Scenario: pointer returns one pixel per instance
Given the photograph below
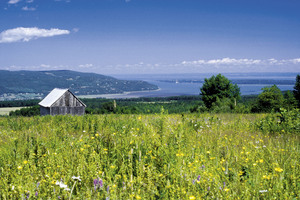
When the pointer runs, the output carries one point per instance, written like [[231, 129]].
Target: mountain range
[[42, 82]]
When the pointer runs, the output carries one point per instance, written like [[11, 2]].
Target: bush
[[284, 122]]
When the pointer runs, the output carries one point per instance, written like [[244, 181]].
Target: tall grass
[[146, 157]]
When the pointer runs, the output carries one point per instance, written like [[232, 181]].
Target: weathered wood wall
[[67, 100], [80, 110], [44, 111], [66, 104]]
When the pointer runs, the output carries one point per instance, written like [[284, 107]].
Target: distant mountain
[[42, 82]]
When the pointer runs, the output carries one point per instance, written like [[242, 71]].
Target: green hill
[[41, 83]]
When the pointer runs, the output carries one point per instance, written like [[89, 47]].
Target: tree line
[[217, 95]]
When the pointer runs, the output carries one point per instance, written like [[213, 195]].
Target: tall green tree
[[290, 101], [217, 89], [271, 99], [297, 89]]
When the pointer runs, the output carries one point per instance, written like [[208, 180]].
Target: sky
[[150, 36]]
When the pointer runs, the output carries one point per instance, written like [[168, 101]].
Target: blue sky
[[150, 36]]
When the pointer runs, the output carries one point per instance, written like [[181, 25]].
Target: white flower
[[76, 178], [13, 187], [263, 191], [62, 185]]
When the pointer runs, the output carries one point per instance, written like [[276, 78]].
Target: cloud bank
[[242, 62], [13, 1], [26, 34]]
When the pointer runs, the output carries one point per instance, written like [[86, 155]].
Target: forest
[[217, 95]]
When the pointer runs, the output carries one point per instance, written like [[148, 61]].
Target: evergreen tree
[[297, 89]]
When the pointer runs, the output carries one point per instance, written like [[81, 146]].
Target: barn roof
[[54, 95]]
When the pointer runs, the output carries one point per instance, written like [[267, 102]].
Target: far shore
[[124, 95]]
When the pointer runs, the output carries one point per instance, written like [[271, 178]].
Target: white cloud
[[75, 30], [224, 61], [27, 34], [242, 62], [26, 8], [13, 1], [86, 66]]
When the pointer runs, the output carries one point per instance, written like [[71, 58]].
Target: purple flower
[[27, 195], [98, 183], [208, 188], [36, 193], [38, 184], [107, 189], [101, 183], [193, 181], [224, 184], [203, 166], [198, 178]]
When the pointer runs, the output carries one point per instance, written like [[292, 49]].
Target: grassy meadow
[[161, 156], [5, 111]]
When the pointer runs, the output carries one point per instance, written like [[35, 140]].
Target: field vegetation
[[154, 156]]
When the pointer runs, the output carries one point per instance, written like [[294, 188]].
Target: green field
[[162, 156], [5, 111]]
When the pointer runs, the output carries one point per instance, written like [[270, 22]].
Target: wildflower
[[226, 189], [138, 197], [36, 194], [98, 183], [192, 198], [208, 188], [261, 160], [107, 189], [20, 167], [62, 185], [278, 169], [112, 166], [263, 191], [198, 178], [25, 162], [76, 178]]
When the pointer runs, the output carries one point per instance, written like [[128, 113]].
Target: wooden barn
[[61, 102]]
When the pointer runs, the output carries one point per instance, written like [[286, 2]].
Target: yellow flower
[[261, 160], [138, 197], [226, 189], [112, 166], [208, 153], [25, 162], [20, 167], [192, 198], [278, 169], [105, 149]]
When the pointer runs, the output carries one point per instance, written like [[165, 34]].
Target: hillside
[[28, 84]]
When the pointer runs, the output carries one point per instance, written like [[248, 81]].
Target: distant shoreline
[[124, 95]]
